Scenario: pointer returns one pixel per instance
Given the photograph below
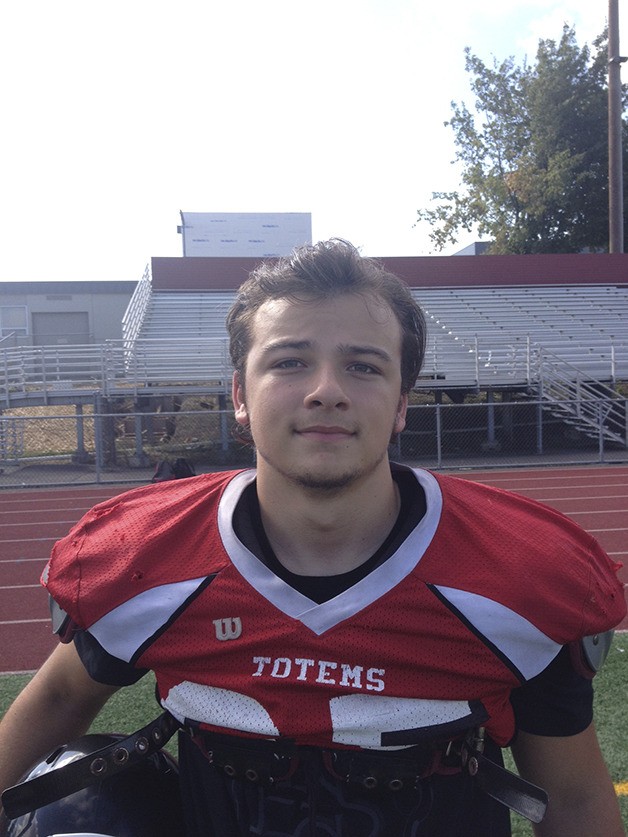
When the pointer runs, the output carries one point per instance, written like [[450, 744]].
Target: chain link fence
[[504, 434], [54, 446]]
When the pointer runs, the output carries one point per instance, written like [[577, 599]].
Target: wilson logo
[[229, 628]]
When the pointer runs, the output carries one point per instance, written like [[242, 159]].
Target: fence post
[[98, 440], [6, 375], [439, 437], [539, 414], [103, 368], [139, 446], [490, 418], [81, 453], [224, 427], [539, 426], [600, 430]]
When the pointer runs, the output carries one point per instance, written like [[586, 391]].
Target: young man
[[345, 641]]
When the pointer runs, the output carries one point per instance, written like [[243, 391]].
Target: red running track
[[32, 520]]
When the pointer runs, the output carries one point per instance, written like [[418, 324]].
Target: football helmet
[[141, 801]]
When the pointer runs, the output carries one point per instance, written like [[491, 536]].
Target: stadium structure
[[554, 327], [548, 328]]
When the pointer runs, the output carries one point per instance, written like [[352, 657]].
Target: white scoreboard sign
[[244, 233]]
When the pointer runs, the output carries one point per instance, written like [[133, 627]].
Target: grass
[[611, 688], [135, 706]]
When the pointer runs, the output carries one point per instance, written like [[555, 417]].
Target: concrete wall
[[103, 303]]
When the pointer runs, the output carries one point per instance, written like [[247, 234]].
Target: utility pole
[[615, 124]]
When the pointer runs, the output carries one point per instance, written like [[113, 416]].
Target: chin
[[324, 482], [330, 479]]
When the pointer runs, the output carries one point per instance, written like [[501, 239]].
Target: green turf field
[[133, 707]]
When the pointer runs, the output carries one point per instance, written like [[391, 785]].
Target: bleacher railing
[[38, 374], [41, 374], [137, 309]]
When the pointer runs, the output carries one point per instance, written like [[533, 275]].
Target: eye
[[289, 363], [363, 369]]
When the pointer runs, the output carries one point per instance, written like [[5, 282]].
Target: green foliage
[[534, 153]]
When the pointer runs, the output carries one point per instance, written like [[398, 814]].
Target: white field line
[[598, 511], [19, 586], [22, 621], [36, 523]]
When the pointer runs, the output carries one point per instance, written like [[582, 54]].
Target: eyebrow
[[365, 350], [345, 349], [281, 345]]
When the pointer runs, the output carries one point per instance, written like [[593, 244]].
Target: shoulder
[[512, 523], [525, 555], [163, 494], [506, 519], [151, 510], [150, 536]]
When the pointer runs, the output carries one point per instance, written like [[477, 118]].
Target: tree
[[534, 153]]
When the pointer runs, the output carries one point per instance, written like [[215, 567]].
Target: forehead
[[345, 316]]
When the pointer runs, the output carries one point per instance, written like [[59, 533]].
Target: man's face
[[322, 394]]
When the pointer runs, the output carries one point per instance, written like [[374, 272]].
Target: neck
[[316, 532]]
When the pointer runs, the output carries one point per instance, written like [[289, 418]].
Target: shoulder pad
[[589, 653], [62, 624]]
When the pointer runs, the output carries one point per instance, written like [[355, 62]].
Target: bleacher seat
[[476, 335]]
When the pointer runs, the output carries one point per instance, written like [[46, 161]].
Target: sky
[[116, 116]]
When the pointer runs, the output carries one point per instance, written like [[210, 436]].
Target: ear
[[237, 395], [400, 418]]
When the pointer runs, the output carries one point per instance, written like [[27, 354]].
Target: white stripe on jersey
[[322, 617], [124, 630], [518, 639]]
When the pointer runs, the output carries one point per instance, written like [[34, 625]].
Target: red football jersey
[[480, 597]]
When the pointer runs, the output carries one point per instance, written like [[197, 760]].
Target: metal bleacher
[[477, 337], [566, 345], [505, 331], [491, 337], [182, 342]]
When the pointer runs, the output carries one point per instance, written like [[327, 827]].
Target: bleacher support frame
[[562, 345]]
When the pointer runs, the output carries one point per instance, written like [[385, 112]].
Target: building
[[62, 313]]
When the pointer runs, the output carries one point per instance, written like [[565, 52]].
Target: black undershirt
[[247, 523], [556, 702]]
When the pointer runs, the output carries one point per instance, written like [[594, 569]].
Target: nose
[[326, 389]]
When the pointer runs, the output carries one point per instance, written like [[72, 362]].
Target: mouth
[[325, 433]]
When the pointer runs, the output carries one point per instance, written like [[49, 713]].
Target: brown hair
[[327, 269]]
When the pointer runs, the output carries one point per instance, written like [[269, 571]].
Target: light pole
[[615, 165]]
